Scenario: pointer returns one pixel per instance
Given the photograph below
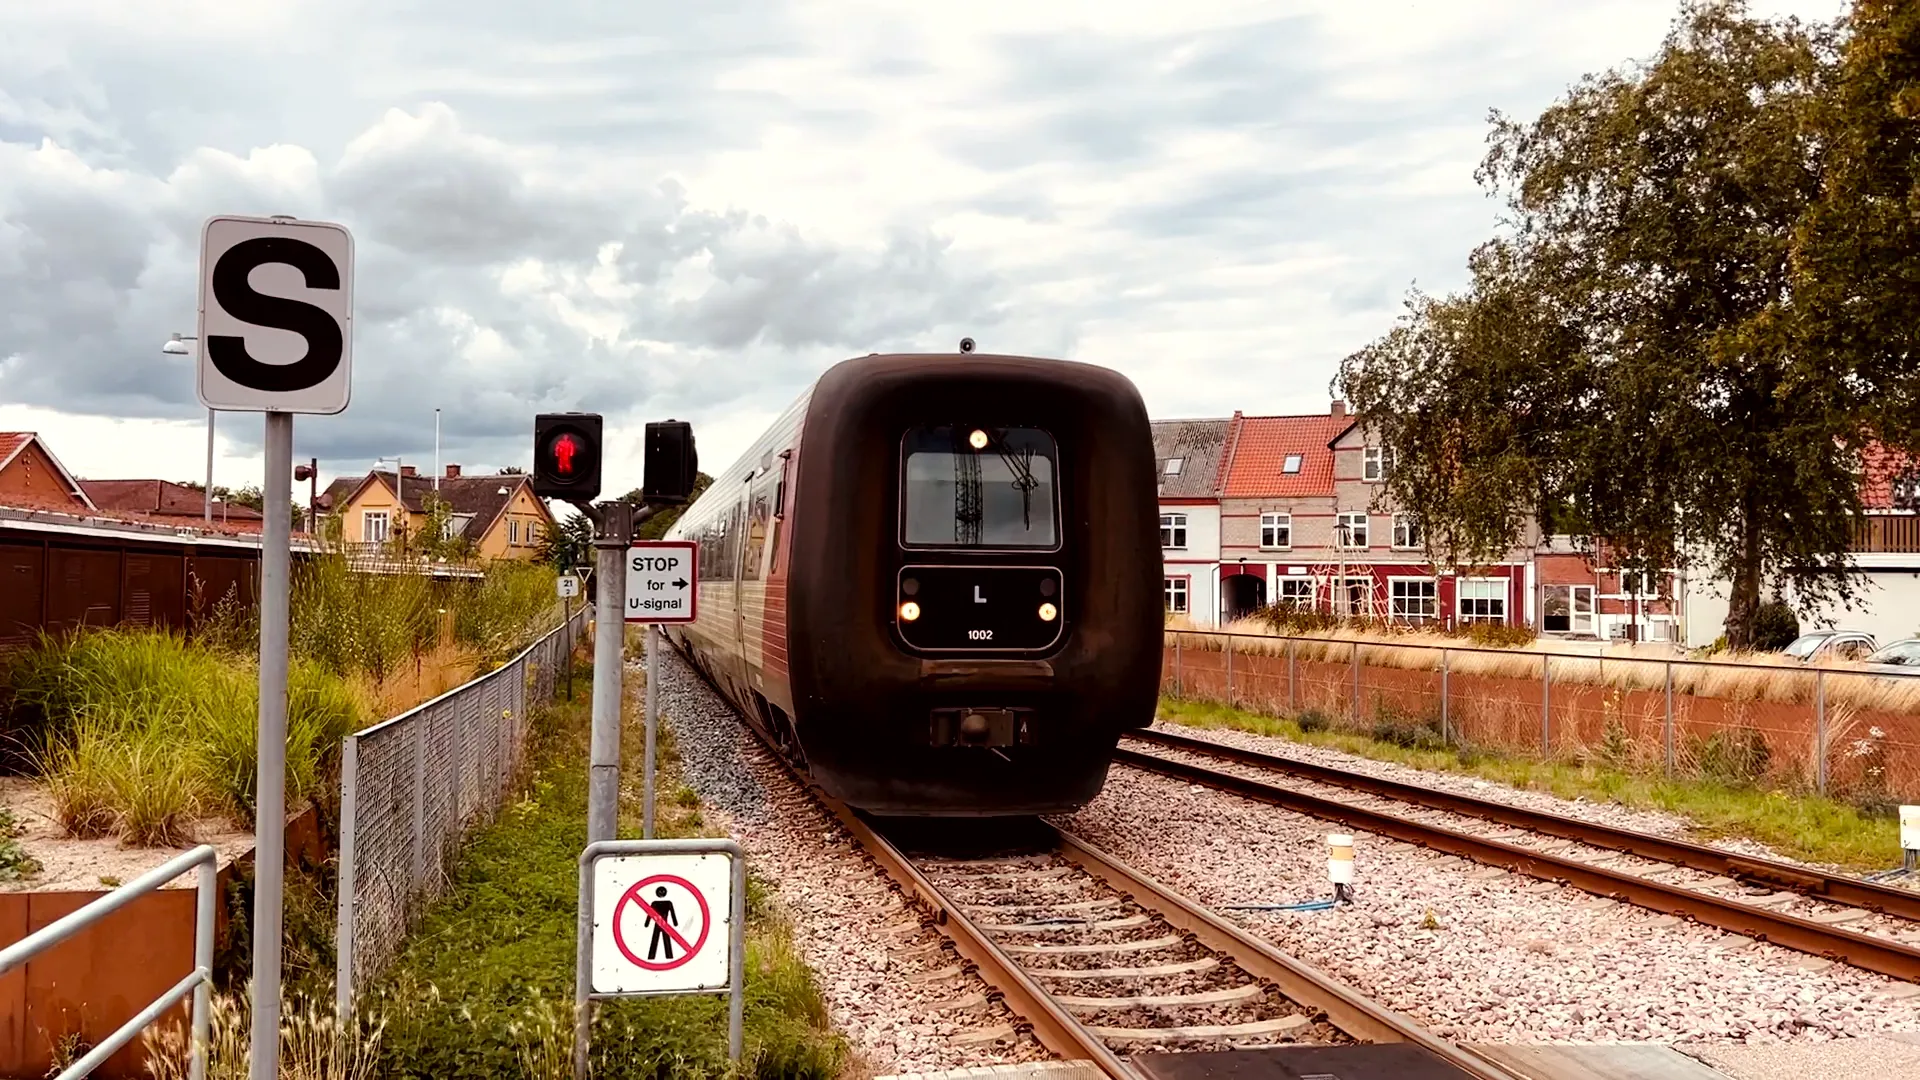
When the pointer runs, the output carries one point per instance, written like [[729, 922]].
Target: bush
[[1774, 627], [1314, 720], [1498, 635], [1738, 756], [1395, 725], [509, 606]]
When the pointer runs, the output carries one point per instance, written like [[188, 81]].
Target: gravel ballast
[[1482, 956], [890, 988]]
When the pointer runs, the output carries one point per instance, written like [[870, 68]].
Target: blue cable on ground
[[1305, 905]]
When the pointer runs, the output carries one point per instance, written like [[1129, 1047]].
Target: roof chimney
[[407, 470], [1339, 408], [453, 471]]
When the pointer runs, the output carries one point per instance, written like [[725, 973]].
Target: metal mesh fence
[[1850, 733], [412, 787]]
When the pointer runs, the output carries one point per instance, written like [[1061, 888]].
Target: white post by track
[[307, 266], [660, 889], [661, 587]]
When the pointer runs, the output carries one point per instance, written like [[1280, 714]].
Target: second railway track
[[1841, 918]]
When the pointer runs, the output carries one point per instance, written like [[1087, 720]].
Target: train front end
[[975, 582]]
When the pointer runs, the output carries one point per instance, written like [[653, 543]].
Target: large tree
[[1859, 264], [1629, 361]]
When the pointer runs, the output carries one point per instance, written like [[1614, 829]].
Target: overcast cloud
[[654, 209]]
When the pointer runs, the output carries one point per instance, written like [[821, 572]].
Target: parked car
[[1831, 645], [1902, 655]]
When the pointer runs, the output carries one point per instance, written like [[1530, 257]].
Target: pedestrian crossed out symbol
[[666, 910]]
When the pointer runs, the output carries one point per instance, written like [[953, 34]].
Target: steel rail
[[1345, 1007], [1860, 950], [1052, 1025], [1904, 903]]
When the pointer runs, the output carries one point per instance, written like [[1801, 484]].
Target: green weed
[[484, 988], [1799, 825]]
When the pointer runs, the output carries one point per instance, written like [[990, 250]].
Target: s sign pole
[[307, 266]]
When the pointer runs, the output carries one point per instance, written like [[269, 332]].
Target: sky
[[661, 210]]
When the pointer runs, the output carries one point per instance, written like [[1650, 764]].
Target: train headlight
[[977, 440], [909, 611], [1047, 612]]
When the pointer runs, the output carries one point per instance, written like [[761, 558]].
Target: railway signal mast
[[567, 457]]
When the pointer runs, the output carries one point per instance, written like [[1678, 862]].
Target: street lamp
[[177, 346]]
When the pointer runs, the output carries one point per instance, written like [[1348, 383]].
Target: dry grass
[[1625, 666], [312, 1044]]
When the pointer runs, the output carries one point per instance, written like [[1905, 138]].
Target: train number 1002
[[979, 635]]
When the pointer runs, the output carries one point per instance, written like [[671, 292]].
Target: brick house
[[32, 478], [1276, 511], [170, 503], [1187, 457]]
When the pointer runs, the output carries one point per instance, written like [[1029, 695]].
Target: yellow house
[[498, 516]]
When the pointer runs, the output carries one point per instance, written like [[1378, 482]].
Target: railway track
[[1834, 917], [1102, 962]]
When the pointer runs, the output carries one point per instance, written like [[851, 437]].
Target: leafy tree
[[512, 470], [1859, 261], [1628, 361], [655, 527], [570, 545]]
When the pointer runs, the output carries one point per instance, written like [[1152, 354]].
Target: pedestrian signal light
[[566, 456], [672, 463]]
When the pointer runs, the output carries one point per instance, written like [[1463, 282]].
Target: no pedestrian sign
[[660, 581], [661, 924]]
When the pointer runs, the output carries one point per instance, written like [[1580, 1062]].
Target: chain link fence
[[412, 787]]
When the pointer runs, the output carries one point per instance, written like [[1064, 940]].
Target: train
[[934, 583]]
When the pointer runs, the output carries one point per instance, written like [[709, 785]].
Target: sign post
[[661, 577], [569, 587], [302, 364], [660, 917]]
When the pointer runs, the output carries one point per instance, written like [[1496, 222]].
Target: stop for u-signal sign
[[661, 577]]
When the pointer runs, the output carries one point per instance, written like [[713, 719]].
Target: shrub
[[1314, 720], [143, 731], [1393, 724], [15, 863], [513, 603], [1738, 756], [1497, 635], [1774, 626]]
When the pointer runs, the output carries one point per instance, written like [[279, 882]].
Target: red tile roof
[[11, 442], [1260, 446], [161, 497], [1880, 467]]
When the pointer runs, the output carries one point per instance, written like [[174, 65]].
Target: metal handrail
[[1497, 651], [199, 982]]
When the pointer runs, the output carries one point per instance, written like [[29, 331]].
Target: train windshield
[[979, 487]]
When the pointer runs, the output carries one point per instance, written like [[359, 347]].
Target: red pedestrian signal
[[566, 456]]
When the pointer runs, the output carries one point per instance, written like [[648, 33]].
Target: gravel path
[[891, 988], [1479, 954], [1657, 822]]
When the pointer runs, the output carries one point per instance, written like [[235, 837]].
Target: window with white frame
[[1567, 609], [1483, 600], [374, 525], [1297, 591], [1407, 534], [1173, 530], [1176, 589], [1373, 467], [1291, 464], [1276, 531], [1638, 583], [1173, 466], [1352, 531], [1413, 600]]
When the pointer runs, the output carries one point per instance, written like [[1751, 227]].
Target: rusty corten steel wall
[[62, 582]]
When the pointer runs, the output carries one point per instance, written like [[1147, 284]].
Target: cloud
[[655, 208]]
